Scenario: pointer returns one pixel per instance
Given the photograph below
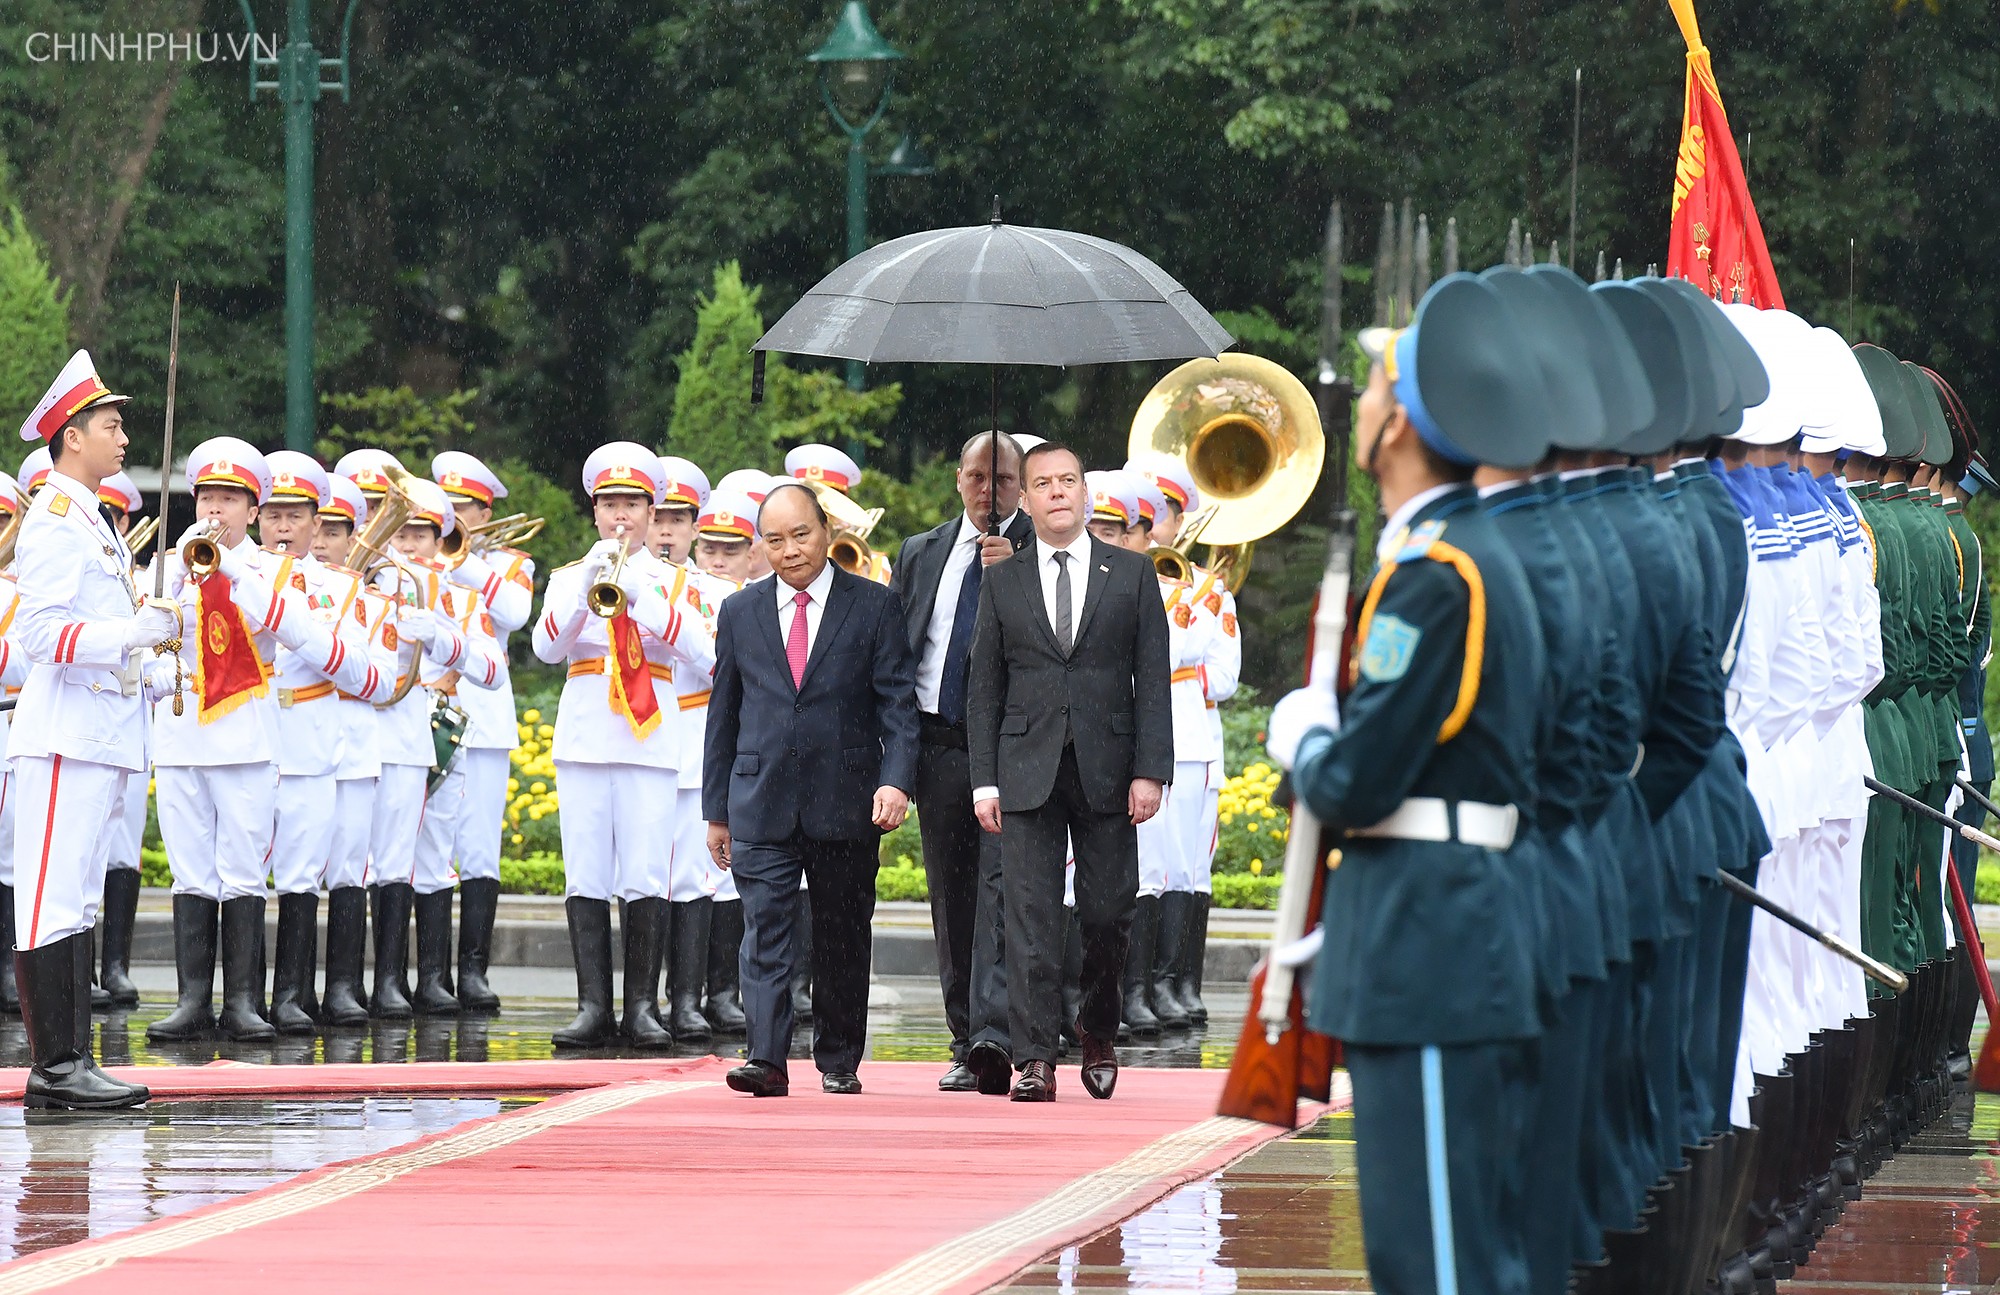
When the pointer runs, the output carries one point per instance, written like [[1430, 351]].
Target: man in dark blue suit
[[812, 754]]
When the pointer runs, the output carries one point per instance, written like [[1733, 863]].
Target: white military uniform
[[79, 730], [13, 673], [495, 596], [1221, 669], [1197, 744], [694, 873]]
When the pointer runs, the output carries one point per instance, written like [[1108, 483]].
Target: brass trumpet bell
[[200, 555], [1249, 434], [606, 598], [850, 553]]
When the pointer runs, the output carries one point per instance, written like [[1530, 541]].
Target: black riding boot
[[346, 947], [687, 965], [802, 958], [1176, 910], [242, 970], [478, 904], [53, 1003], [194, 966], [434, 993], [114, 931], [645, 923], [1193, 951], [725, 946], [393, 902], [590, 943], [1138, 1016], [293, 966]]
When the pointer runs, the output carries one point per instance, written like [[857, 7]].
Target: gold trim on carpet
[[951, 1262], [39, 1273]]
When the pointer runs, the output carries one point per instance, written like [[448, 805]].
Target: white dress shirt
[[788, 606], [1079, 578], [944, 610]]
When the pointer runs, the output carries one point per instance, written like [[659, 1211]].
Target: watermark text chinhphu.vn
[[148, 46]]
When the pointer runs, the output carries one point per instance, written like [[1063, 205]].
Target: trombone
[[606, 598], [499, 533]]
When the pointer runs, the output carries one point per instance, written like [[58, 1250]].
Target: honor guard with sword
[[218, 760], [79, 730], [495, 589], [615, 618], [311, 730]]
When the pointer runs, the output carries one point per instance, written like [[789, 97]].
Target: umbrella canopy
[[998, 294]]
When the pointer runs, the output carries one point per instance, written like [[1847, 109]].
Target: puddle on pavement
[[68, 1177]]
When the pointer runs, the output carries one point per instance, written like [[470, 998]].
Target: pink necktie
[[795, 642]]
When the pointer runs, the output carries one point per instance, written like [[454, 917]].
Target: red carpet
[[672, 1182]]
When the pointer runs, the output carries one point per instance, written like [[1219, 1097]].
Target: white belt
[[1426, 818]]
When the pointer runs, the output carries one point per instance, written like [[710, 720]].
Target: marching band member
[[616, 749], [311, 728], [13, 673], [34, 471], [498, 590], [826, 466], [118, 498], [218, 761], [725, 533], [345, 866], [756, 484], [671, 537], [79, 730], [462, 655]]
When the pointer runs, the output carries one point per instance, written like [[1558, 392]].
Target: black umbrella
[[996, 294]]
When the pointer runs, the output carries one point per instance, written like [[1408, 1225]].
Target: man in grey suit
[[938, 576], [1070, 729]]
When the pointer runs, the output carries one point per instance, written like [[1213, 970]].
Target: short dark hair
[[819, 509], [1049, 447]]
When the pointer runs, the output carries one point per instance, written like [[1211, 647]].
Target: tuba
[[852, 525], [1250, 436], [10, 534], [370, 552]]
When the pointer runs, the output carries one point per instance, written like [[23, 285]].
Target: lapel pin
[[1102, 567]]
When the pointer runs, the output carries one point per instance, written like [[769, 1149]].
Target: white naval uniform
[[506, 597], [13, 673], [1221, 669], [694, 874], [218, 781], [360, 768], [403, 811], [619, 792], [79, 730], [1161, 853], [311, 727], [481, 670]]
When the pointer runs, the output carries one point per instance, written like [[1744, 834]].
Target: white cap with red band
[[728, 515], [229, 461], [624, 468], [296, 476], [823, 463], [686, 484], [464, 477], [75, 389], [343, 500]]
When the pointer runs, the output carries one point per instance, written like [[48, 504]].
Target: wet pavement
[[68, 1177], [1286, 1218]]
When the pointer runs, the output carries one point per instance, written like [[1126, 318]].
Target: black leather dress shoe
[[994, 1068], [759, 1079], [1100, 1067], [1037, 1083], [958, 1080], [843, 1083]]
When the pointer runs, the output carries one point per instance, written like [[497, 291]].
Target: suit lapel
[[1100, 575], [839, 601], [1028, 572], [930, 572], [765, 591]]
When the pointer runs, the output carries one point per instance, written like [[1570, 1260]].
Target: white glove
[[1298, 713], [472, 573], [160, 678], [607, 550], [421, 625], [155, 623], [634, 580]]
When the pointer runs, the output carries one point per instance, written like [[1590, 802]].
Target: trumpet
[[1172, 560], [141, 536], [605, 598], [200, 555], [499, 533]]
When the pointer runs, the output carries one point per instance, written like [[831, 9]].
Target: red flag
[[631, 678], [228, 670], [1716, 241]]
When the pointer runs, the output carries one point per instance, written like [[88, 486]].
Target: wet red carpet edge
[[658, 1177]]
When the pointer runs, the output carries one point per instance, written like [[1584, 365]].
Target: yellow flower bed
[[532, 806], [1251, 830]]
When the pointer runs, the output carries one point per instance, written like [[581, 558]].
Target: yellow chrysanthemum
[[531, 716], [1256, 865]]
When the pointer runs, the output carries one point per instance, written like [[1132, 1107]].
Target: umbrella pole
[[993, 448]]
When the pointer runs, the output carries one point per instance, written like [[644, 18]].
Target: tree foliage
[[34, 320]]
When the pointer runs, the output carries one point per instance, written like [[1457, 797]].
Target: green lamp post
[[301, 74], [857, 70]]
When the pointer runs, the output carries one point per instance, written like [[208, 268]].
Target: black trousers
[[842, 877], [962, 866], [1032, 849]]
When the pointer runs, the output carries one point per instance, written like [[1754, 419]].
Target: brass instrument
[[138, 539], [1251, 438], [200, 555], [370, 552], [1171, 560], [852, 524], [850, 553], [10, 534], [605, 598], [499, 533]]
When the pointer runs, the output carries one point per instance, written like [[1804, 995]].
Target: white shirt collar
[[1392, 530], [971, 530], [821, 583], [1078, 550]]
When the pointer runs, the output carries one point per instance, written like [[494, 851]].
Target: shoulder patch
[[59, 503], [1229, 624], [1183, 615], [1391, 646], [1418, 543]]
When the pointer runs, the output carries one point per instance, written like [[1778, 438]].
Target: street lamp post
[[301, 74], [857, 70]]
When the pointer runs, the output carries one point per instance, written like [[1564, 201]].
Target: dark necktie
[[1063, 630], [951, 689]]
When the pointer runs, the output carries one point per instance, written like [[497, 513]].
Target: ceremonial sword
[[172, 645]]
